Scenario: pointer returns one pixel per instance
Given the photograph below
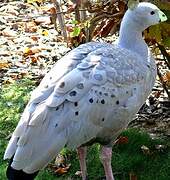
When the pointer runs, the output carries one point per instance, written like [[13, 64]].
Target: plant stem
[[165, 54], [163, 83], [60, 18]]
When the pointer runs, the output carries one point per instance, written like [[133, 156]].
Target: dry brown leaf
[[121, 6], [157, 94], [8, 33], [61, 171], [8, 81], [14, 76], [168, 75], [71, 8], [42, 20], [166, 78], [52, 10], [15, 26], [34, 1], [132, 176], [35, 38], [4, 64], [69, 28], [34, 59], [122, 140], [31, 51], [13, 12], [4, 53], [30, 27]]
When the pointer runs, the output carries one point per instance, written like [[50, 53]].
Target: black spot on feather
[[76, 104], [80, 86], [73, 93], [112, 95], [103, 101], [62, 84], [91, 100]]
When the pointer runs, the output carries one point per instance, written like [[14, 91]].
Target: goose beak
[[162, 16]]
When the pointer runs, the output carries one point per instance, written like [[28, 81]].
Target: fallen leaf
[[122, 6], [69, 28], [14, 76], [34, 38], [60, 167], [13, 12], [166, 78], [31, 51], [45, 32], [34, 59], [42, 20], [8, 81], [8, 33], [62, 170], [78, 173], [132, 176], [52, 10], [160, 147], [4, 64], [157, 94], [4, 53], [122, 140], [15, 26], [145, 150], [34, 1], [30, 27], [71, 8]]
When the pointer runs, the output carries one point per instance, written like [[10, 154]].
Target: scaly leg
[[82, 151], [105, 157]]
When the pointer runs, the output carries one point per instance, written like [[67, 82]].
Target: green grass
[[127, 158]]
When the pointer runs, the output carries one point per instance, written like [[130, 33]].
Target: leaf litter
[[29, 44]]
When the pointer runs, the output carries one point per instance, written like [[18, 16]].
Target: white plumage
[[91, 93]]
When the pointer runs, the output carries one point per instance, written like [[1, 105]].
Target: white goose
[[90, 95]]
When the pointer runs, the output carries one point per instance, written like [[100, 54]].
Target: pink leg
[[82, 151], [106, 156]]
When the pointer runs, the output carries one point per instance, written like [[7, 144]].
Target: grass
[[127, 158]]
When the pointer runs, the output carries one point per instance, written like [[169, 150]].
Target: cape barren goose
[[90, 95]]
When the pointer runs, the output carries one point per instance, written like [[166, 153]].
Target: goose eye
[[152, 12]]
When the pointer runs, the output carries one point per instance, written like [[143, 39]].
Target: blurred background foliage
[[83, 20]]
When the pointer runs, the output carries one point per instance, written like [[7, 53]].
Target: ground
[[29, 48], [134, 153]]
